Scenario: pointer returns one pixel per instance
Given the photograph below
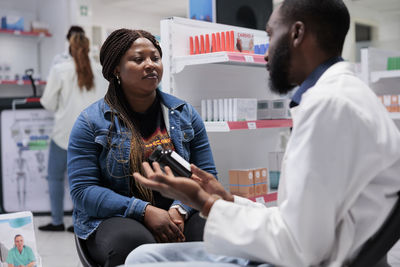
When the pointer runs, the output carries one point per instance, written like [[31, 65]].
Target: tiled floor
[[56, 249]]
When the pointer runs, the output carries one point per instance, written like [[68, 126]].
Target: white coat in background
[[63, 96]]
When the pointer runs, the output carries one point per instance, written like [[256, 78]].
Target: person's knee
[[141, 254]]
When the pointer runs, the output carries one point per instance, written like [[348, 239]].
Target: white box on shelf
[[244, 109], [215, 110], [209, 110], [279, 108], [203, 110], [386, 100], [230, 109], [263, 109], [226, 109], [220, 109]]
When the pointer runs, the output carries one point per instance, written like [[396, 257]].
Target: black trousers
[[116, 237]]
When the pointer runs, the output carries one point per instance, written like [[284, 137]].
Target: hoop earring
[[118, 80]]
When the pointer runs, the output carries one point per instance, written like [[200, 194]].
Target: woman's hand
[[177, 218], [208, 182], [164, 229], [183, 189]]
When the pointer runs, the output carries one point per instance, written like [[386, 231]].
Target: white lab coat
[[339, 179], [63, 96]]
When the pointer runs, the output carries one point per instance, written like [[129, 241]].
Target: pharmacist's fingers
[[199, 174], [147, 169]]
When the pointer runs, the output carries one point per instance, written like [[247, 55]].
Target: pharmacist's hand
[[183, 189], [177, 218], [163, 228], [208, 182]]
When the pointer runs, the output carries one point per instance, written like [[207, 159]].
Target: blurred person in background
[[66, 55], [71, 86]]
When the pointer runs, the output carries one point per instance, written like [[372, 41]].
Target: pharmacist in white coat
[[340, 172]]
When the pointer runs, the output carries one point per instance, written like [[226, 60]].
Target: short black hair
[[74, 29], [329, 20]]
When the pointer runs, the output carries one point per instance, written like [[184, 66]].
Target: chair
[[373, 253], [83, 253]]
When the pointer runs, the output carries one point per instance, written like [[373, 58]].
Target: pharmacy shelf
[[227, 126], [233, 58], [395, 115], [378, 75], [268, 198], [24, 33], [21, 82]]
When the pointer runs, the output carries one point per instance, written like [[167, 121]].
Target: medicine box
[[260, 181], [279, 108], [245, 182], [244, 109], [263, 110], [233, 182], [12, 23], [244, 42]]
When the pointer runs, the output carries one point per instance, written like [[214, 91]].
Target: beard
[[279, 67]]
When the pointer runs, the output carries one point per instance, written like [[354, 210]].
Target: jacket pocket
[[187, 134], [116, 149]]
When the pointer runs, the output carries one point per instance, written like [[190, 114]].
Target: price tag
[[252, 125], [260, 200], [248, 58]]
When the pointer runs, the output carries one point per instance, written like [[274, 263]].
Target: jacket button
[[172, 112], [172, 127], [185, 135]]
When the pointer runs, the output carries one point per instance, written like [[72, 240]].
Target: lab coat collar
[[311, 80]]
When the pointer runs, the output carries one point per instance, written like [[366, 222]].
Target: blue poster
[[201, 10]]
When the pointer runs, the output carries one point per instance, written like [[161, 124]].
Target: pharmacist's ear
[[297, 33]]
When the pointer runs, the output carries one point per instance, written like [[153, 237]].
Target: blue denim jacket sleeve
[[88, 193], [198, 147]]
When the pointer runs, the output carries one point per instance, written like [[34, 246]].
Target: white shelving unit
[[235, 145], [374, 73], [22, 50]]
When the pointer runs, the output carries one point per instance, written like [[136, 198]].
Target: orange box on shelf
[[246, 183], [394, 102], [233, 182], [260, 181]]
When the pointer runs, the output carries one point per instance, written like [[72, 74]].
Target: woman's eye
[[155, 59], [138, 59]]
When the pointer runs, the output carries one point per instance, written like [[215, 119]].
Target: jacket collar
[[170, 101], [167, 100]]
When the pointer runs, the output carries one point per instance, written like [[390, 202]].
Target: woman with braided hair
[[71, 86], [110, 140]]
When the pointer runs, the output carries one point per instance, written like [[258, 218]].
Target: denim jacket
[[98, 169]]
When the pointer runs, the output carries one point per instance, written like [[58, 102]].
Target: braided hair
[[111, 53], [79, 48]]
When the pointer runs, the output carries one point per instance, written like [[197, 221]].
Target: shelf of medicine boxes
[[21, 82], [227, 126], [218, 57], [24, 33], [377, 75]]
